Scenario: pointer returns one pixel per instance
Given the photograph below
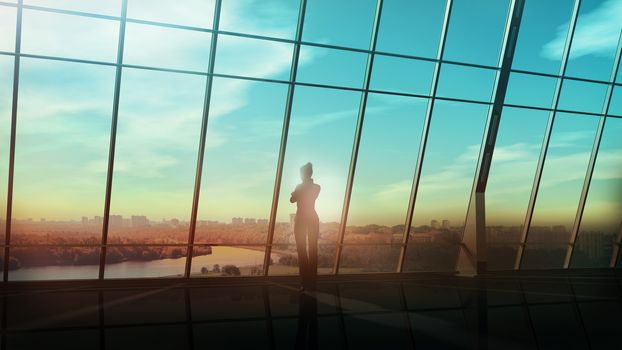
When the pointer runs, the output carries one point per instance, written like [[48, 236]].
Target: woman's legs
[[313, 233], [300, 233]]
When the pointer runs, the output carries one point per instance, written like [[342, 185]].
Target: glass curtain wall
[[139, 78]]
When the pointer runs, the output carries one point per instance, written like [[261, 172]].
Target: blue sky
[[65, 108]]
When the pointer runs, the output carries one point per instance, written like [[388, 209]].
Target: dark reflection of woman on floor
[[306, 227], [306, 335]]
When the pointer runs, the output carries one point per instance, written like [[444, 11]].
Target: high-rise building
[[250, 221], [139, 221], [237, 221], [434, 224], [115, 221], [85, 220], [446, 225]]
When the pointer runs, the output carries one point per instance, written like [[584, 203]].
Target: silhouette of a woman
[[306, 226]]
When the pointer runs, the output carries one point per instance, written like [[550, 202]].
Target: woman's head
[[306, 171]]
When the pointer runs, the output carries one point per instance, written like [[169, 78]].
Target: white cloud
[[597, 33]]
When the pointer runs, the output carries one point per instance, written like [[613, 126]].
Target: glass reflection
[[476, 31], [275, 18], [512, 171], [8, 17], [542, 35], [601, 219], [331, 67], [253, 58], [155, 161], [53, 263], [560, 188], [54, 34], [146, 261], [454, 140], [6, 92], [595, 39], [342, 23], [330, 115], [164, 47], [195, 13], [61, 152], [419, 20], [384, 170], [242, 146]]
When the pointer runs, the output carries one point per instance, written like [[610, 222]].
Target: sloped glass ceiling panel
[[108, 7], [8, 18], [193, 13]]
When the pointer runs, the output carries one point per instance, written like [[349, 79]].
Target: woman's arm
[[294, 196]]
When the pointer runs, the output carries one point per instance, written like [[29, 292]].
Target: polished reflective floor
[[497, 312]]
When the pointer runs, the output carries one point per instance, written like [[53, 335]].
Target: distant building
[[97, 220], [115, 221], [174, 222], [237, 221], [250, 221], [446, 225], [85, 220], [139, 221], [42, 220], [434, 224], [262, 221], [212, 222]]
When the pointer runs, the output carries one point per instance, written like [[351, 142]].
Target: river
[[221, 255]]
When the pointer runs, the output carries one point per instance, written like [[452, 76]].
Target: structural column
[[472, 257]]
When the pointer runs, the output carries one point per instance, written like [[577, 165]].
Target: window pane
[[61, 151], [513, 168], [244, 133], [411, 27], [8, 16], [466, 83], [331, 67], [155, 170], [53, 34], [343, 23], [54, 263], [595, 39], [149, 261], [218, 261], [385, 168], [108, 7], [369, 258], [253, 58], [276, 18], [601, 218], [615, 107], [285, 259], [446, 180], [582, 97], [163, 47], [560, 188], [401, 75], [196, 13], [476, 31], [530, 90], [542, 35], [330, 115], [6, 93]]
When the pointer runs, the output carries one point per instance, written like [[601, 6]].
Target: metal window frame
[[547, 136], [10, 180], [202, 139], [284, 136], [357, 136], [495, 112], [424, 135], [113, 138], [365, 90], [593, 156]]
